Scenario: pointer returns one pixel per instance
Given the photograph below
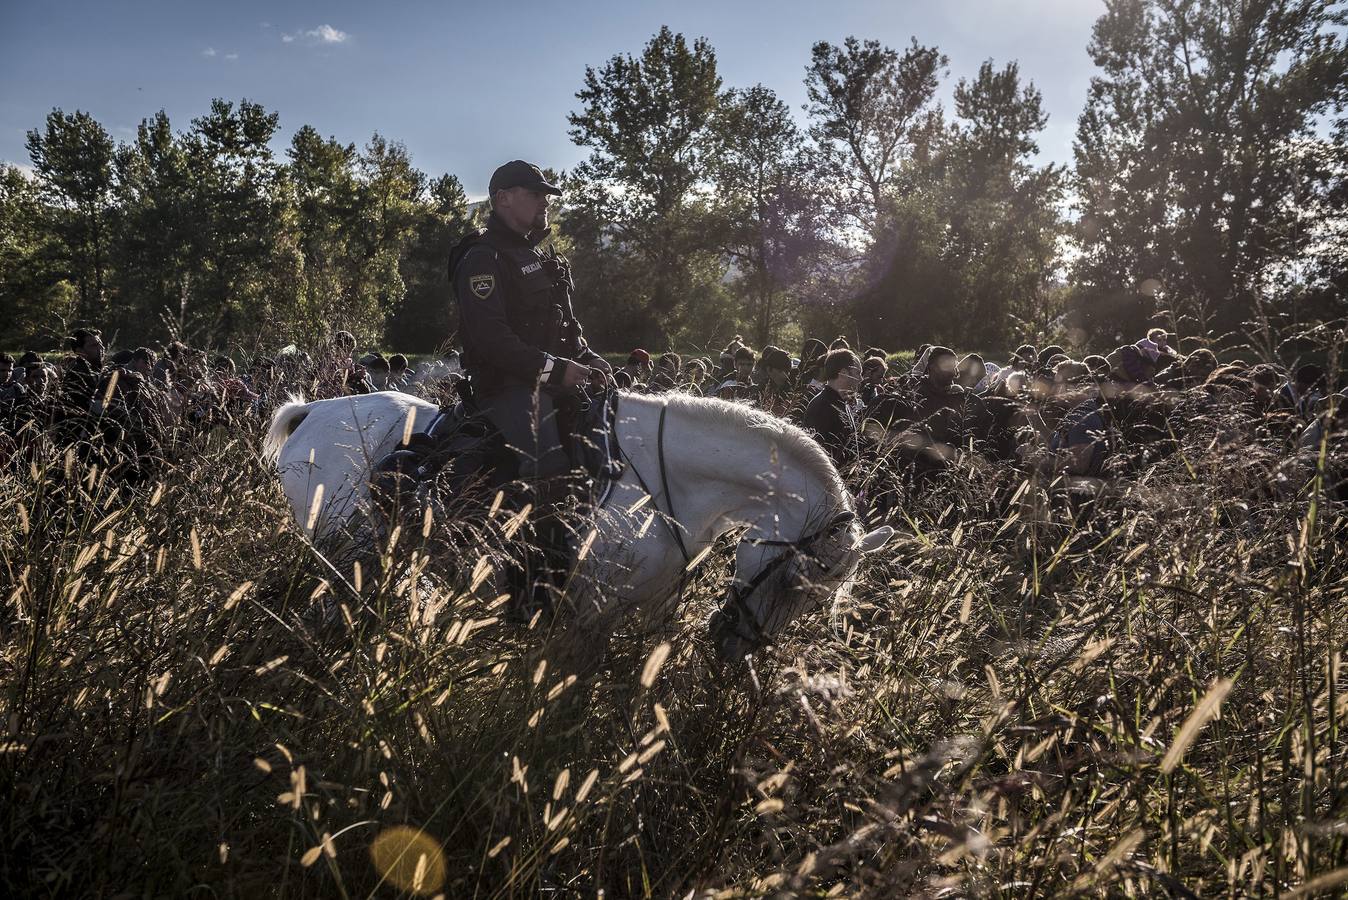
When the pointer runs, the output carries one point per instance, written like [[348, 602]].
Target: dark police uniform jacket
[[515, 313], [831, 420]]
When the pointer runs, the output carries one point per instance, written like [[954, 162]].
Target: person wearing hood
[[808, 375], [940, 404], [775, 394]]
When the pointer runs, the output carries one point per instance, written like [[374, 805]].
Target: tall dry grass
[[1017, 700]]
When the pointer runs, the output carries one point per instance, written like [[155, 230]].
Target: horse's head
[[776, 581]]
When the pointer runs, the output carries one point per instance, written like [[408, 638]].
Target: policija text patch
[[482, 285]]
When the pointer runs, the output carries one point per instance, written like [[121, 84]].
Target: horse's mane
[[791, 440]]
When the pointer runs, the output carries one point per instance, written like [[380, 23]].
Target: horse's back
[[324, 451]]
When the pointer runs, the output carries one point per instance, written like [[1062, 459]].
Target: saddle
[[460, 444]]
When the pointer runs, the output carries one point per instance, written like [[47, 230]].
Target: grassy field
[[1013, 702]]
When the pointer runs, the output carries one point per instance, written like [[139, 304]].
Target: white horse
[[701, 467]]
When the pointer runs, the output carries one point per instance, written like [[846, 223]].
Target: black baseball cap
[[518, 173]]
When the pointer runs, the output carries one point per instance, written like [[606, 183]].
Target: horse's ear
[[875, 539]]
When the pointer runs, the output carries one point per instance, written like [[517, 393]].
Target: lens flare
[[410, 859]]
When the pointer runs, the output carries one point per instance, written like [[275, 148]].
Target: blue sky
[[468, 85]]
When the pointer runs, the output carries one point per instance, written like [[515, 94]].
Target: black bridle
[[801, 546]]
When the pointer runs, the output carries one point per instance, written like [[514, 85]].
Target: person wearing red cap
[[523, 349], [638, 366]]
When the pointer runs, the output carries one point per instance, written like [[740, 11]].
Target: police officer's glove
[[575, 374]]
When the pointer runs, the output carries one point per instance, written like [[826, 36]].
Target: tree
[[72, 157], [972, 247], [157, 248], [242, 213], [323, 175], [766, 214], [1201, 175], [646, 120], [425, 319], [33, 293], [871, 111]]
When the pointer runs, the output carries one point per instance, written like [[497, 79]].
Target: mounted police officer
[[523, 349]]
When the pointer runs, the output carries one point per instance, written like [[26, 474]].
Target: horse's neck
[[722, 474]]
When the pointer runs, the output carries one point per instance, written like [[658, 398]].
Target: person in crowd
[[740, 385], [1047, 358], [377, 370], [1302, 391], [234, 392], [1017, 375], [10, 386], [1331, 418], [874, 371], [623, 379], [941, 407], [1089, 433], [973, 373], [694, 374], [1156, 345], [398, 374], [638, 367], [667, 369], [1070, 374], [13, 392], [829, 414], [1097, 364], [80, 371], [839, 343], [263, 381], [809, 373], [775, 393]]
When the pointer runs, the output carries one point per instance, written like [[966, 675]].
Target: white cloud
[[231, 56], [328, 35], [25, 170], [209, 51], [323, 34]]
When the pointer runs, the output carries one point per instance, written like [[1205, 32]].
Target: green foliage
[[72, 157], [32, 285], [767, 214], [206, 235], [1203, 176], [969, 252], [872, 112], [647, 121], [1210, 163]]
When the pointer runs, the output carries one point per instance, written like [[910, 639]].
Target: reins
[[798, 547]]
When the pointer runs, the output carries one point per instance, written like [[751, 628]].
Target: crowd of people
[[135, 409], [1092, 418], [1041, 410]]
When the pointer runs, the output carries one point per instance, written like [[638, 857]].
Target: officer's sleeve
[[478, 285]]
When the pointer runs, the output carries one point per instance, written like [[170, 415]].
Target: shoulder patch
[[482, 285]]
